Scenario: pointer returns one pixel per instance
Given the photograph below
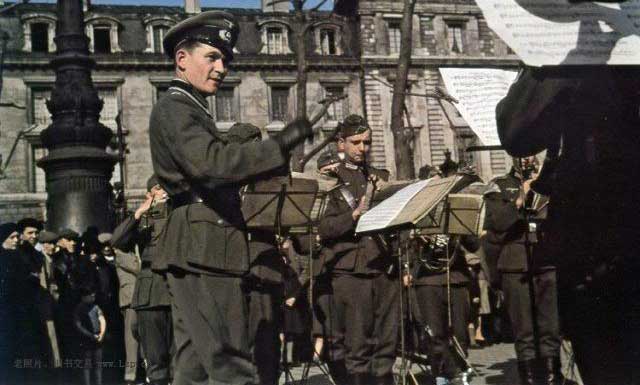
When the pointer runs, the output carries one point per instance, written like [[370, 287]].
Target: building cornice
[[438, 61]]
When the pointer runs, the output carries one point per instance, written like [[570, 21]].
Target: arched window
[[103, 34], [39, 31], [275, 37], [328, 38], [156, 28]]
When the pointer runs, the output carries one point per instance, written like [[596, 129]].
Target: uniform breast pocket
[[216, 243]]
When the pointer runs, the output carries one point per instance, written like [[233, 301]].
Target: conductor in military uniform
[[204, 248], [365, 297]]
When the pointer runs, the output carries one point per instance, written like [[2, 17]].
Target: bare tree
[[303, 22], [403, 136]]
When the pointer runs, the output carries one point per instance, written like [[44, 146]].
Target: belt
[[183, 199]]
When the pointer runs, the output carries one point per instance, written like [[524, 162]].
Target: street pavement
[[495, 365]]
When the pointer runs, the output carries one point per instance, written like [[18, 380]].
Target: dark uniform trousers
[[518, 302], [155, 334], [433, 304], [211, 331], [368, 312]]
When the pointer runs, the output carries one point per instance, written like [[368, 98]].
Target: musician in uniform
[[365, 297], [150, 297], [587, 120], [440, 275], [533, 311], [204, 248]]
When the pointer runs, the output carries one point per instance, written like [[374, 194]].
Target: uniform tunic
[[204, 246], [365, 298]]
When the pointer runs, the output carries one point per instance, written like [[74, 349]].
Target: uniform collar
[[188, 88], [351, 166]]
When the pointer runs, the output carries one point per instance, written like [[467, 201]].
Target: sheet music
[[553, 32], [478, 91], [381, 216]]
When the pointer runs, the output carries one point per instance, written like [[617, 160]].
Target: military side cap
[[353, 125], [215, 28], [327, 158], [69, 234], [48, 237], [243, 133], [104, 238], [152, 181]]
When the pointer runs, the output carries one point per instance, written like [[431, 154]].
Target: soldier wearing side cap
[[365, 296], [204, 248], [149, 299]]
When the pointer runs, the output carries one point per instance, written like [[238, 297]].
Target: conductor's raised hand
[[293, 134]]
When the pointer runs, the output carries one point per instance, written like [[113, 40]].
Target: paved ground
[[495, 365]]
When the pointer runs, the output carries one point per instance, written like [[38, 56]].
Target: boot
[[553, 372], [526, 372], [338, 372]]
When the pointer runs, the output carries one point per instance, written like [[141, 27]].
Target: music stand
[[281, 205], [430, 206]]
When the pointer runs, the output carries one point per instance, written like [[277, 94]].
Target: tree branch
[[317, 7], [439, 93], [10, 7]]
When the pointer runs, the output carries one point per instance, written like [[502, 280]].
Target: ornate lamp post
[[77, 166]]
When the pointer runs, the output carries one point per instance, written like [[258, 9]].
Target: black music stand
[[282, 205]]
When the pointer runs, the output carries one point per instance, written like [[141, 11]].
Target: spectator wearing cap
[[144, 293], [203, 248]]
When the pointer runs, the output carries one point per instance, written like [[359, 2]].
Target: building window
[[102, 32], [39, 37], [394, 37], [39, 30], [338, 110], [110, 108], [454, 37], [225, 105], [38, 182], [275, 38], [275, 41], [328, 42], [159, 31], [101, 39], [279, 103], [39, 112]]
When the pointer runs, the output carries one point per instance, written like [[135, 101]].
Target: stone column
[[77, 167]]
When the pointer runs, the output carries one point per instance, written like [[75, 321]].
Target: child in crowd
[[91, 326]]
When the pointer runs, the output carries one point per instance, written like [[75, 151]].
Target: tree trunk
[[301, 78], [403, 138]]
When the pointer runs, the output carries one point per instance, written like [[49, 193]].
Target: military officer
[[587, 120], [508, 229], [365, 296], [150, 299], [204, 247]]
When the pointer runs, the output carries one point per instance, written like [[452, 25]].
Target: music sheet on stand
[[554, 32], [384, 213], [478, 91]]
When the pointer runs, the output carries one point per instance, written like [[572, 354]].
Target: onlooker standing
[[8, 255], [127, 268], [49, 295], [91, 326]]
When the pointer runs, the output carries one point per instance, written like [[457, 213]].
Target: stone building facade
[[349, 55]]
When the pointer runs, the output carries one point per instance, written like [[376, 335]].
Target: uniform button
[[220, 222]]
